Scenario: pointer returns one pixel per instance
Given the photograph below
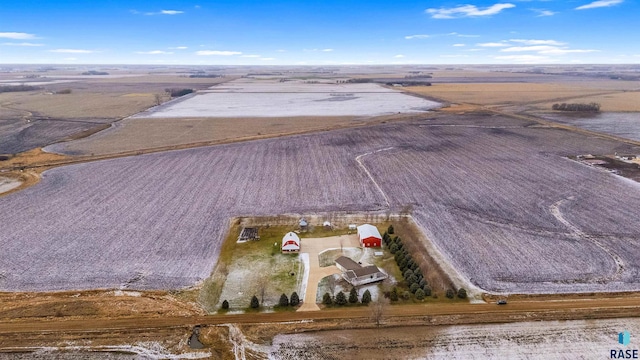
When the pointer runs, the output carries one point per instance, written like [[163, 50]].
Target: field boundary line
[[579, 234], [375, 183]]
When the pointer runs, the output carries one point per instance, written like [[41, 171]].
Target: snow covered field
[[269, 98], [549, 340]]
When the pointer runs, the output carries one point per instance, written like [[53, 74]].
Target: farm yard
[[496, 196]]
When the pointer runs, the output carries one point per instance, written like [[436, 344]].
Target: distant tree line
[[420, 76], [591, 107], [206, 76], [94, 72], [178, 92], [409, 83], [13, 88]]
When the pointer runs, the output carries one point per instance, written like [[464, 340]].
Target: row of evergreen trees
[[411, 272], [285, 301], [341, 299]]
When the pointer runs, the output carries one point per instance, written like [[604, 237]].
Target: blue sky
[[319, 32]]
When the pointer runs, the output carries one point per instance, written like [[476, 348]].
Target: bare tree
[[332, 283], [378, 308], [158, 98], [263, 283]]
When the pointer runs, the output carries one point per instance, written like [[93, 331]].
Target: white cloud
[[22, 44], [178, 48], [171, 12], [250, 56], [419, 36], [599, 4], [547, 50], [536, 42], [399, 56], [161, 12], [542, 12], [73, 51], [154, 52], [528, 48], [17, 35], [217, 53], [459, 45], [467, 11], [327, 50], [562, 51], [463, 35], [524, 58], [493, 44]]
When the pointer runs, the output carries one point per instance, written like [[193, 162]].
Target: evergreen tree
[[450, 293], [255, 303], [225, 305], [326, 299], [341, 298], [414, 287], [390, 229], [353, 296], [462, 293], [420, 294], [294, 300], [427, 290], [284, 301], [366, 297]]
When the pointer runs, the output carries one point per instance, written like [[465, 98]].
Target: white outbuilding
[[290, 243]]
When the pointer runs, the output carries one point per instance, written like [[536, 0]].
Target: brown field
[[138, 134], [501, 93], [619, 102]]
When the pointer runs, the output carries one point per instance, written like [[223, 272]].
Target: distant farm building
[[369, 236], [303, 224], [326, 224], [248, 233], [290, 243], [356, 274]]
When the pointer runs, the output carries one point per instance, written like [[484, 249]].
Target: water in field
[[625, 125]]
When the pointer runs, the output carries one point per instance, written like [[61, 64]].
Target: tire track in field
[[375, 183], [579, 234]]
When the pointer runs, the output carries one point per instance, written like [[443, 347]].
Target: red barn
[[369, 236], [290, 243]]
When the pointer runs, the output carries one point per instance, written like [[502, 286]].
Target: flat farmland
[[270, 98], [41, 117], [623, 124], [528, 340], [494, 195], [503, 93], [628, 101]]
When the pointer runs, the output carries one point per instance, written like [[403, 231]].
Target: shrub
[[366, 297], [449, 293], [284, 301], [341, 299], [353, 296], [326, 299], [462, 293], [255, 303], [64, 91], [225, 305], [427, 290], [406, 295], [294, 300], [393, 295], [420, 294]]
